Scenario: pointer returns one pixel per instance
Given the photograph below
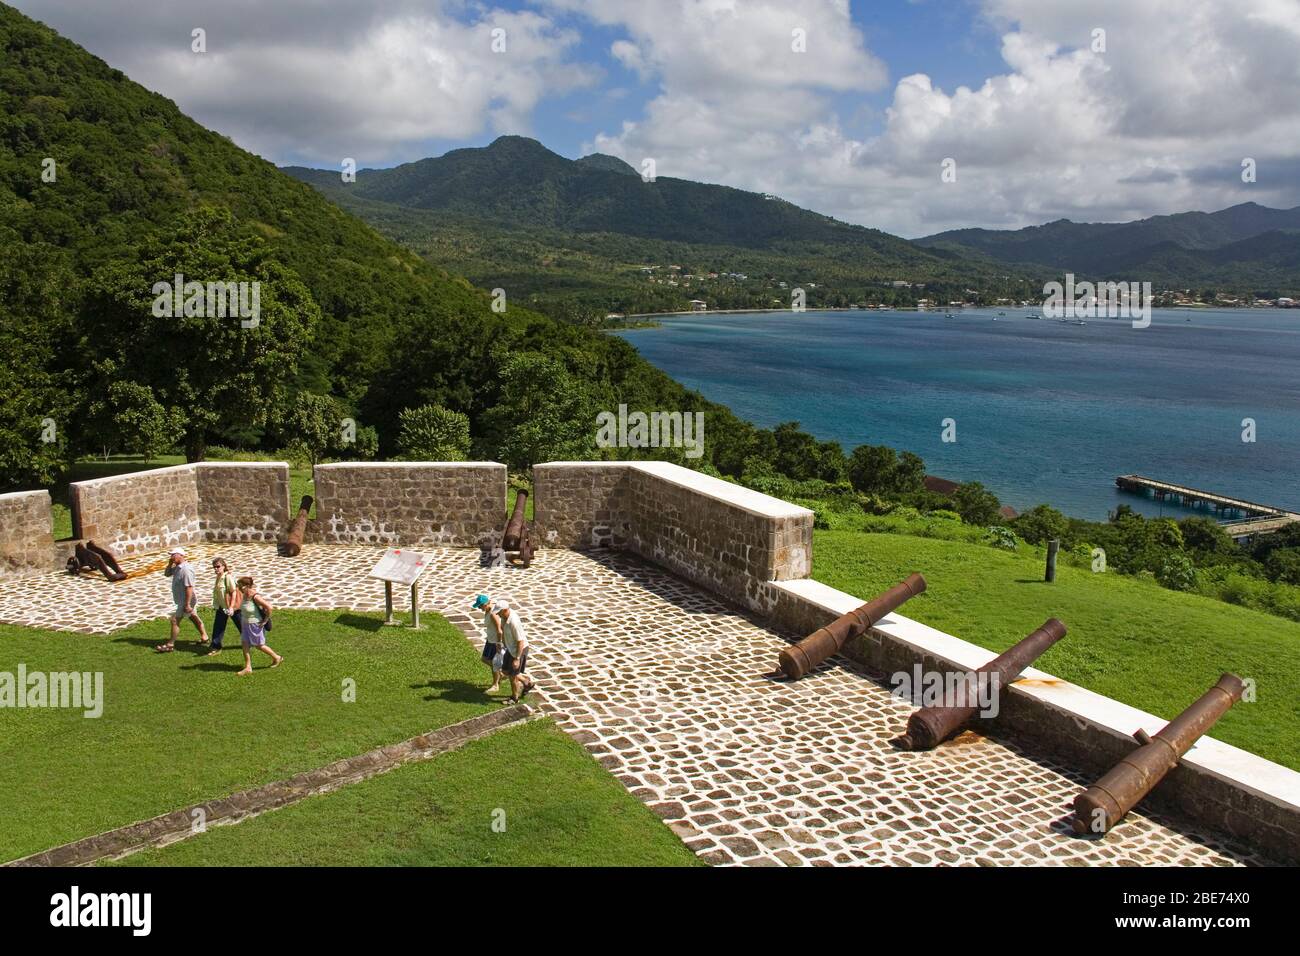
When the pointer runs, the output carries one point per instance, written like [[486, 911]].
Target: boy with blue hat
[[493, 655]]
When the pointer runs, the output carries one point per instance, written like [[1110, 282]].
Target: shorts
[[489, 653], [509, 665], [179, 612], [253, 634]]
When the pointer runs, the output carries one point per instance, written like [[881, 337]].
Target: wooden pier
[[1241, 518]]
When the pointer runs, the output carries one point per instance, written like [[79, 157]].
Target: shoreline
[[912, 308]]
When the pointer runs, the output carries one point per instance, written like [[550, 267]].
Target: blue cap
[[480, 601]]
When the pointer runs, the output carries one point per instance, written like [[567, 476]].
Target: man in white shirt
[[516, 643]]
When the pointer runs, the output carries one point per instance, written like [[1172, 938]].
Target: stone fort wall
[[26, 531], [719, 535], [415, 504], [206, 501], [142, 511]]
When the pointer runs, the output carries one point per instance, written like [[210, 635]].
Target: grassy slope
[[440, 813], [1129, 639], [181, 728]]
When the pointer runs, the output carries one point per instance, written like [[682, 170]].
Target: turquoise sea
[[1044, 411]]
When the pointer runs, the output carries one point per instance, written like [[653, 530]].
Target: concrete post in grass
[[1053, 547]]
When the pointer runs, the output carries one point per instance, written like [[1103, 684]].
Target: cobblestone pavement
[[667, 687]]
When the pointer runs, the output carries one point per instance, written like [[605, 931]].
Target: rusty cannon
[[516, 537], [931, 726], [293, 543], [799, 659], [1107, 801]]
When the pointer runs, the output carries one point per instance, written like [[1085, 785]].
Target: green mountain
[[518, 182], [1245, 243], [107, 189], [589, 236]]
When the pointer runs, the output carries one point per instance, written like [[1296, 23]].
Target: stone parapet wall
[[1216, 784], [580, 505], [26, 532], [719, 535], [722, 536], [142, 511], [243, 501], [414, 504]]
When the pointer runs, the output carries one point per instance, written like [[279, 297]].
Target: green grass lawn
[[1128, 638], [181, 728], [558, 806]]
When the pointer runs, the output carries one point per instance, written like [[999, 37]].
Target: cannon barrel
[[799, 659], [1106, 802], [293, 543], [510, 541], [931, 726]]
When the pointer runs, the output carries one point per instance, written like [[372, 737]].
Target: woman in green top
[[256, 613], [224, 603]]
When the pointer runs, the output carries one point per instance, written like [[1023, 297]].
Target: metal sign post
[[398, 566]]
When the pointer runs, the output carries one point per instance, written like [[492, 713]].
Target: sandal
[[165, 648]]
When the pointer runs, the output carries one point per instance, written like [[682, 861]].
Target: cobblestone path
[[668, 688]]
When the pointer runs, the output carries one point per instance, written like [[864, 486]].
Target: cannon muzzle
[[293, 543], [510, 541], [799, 659], [931, 726], [1107, 801]]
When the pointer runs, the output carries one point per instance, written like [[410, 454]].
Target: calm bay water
[[1045, 412]]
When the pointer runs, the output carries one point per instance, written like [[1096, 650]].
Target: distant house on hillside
[[699, 305]]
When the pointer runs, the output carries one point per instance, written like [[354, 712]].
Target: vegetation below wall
[[1129, 639], [1193, 555]]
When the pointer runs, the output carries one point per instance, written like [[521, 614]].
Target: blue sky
[[948, 39], [1097, 110]]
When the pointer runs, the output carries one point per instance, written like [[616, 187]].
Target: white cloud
[[1157, 123], [324, 79]]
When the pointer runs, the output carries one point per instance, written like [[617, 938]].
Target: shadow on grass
[[457, 691], [184, 645], [359, 621], [1031, 581]]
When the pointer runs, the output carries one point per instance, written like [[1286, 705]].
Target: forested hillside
[[107, 189]]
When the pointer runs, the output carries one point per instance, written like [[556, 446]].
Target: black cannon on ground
[[931, 726], [297, 530], [91, 557], [1107, 801], [799, 659]]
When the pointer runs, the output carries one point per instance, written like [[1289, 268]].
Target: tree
[[38, 294], [797, 453], [872, 468], [128, 418], [976, 504], [879, 470], [1176, 572], [909, 474], [315, 424], [1041, 523], [1284, 565], [214, 370], [433, 433], [545, 413]]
